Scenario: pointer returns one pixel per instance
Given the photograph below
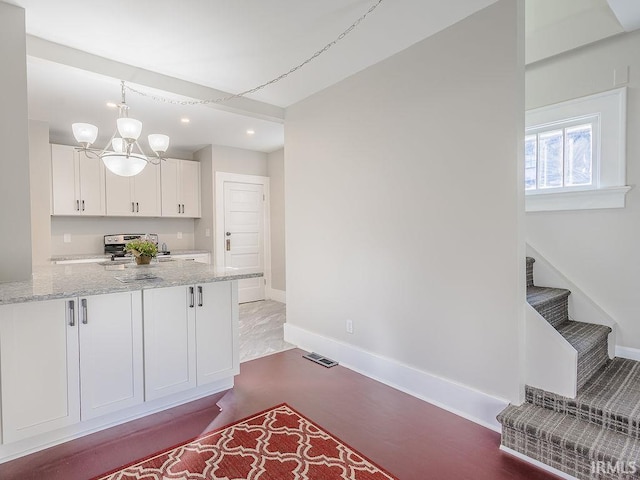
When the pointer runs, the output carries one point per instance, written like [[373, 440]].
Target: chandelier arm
[[104, 150], [263, 85], [89, 152]]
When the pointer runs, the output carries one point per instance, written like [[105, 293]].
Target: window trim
[[608, 189]]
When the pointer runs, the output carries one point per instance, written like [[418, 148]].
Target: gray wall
[[275, 167], [15, 211], [596, 249], [40, 180], [217, 158], [404, 205]]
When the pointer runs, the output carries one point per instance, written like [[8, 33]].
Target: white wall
[[87, 233], [205, 224], [15, 209], [40, 188], [218, 158], [238, 160], [275, 169], [596, 249], [404, 202]]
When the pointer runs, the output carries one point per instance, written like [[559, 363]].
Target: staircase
[[595, 435]]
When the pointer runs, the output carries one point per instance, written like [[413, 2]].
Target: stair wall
[[580, 304]]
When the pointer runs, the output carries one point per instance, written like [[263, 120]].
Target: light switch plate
[[66, 238], [179, 235]]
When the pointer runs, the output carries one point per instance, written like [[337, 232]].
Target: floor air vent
[[324, 361]]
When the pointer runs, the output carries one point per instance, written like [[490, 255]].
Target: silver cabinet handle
[[137, 207], [83, 205], [72, 313], [85, 318], [192, 303], [183, 208], [178, 208], [133, 207], [200, 296], [78, 205]]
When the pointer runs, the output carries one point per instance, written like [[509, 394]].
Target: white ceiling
[[228, 45], [80, 49]]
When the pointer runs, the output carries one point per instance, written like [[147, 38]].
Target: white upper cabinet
[[137, 196], [78, 182], [180, 188]]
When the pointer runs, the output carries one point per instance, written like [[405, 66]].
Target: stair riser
[[555, 312], [529, 274], [565, 460], [596, 416], [592, 361]]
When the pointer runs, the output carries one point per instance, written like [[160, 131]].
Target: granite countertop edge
[[69, 281]]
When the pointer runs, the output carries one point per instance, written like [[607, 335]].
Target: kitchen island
[[87, 346]]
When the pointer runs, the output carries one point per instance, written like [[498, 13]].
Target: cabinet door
[[189, 188], [111, 368], [119, 195], [169, 341], [216, 331], [171, 206], [92, 187], [39, 371], [65, 181], [146, 191]]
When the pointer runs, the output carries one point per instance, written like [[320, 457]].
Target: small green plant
[[142, 248]]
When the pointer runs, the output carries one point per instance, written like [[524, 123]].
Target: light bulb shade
[[129, 128], [85, 133], [118, 144], [158, 142], [123, 165]]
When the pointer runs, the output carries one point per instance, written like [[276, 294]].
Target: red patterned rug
[[278, 444]]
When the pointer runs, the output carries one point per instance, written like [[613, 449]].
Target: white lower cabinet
[[65, 361], [111, 359], [190, 337], [38, 369]]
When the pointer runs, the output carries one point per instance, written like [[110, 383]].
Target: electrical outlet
[[349, 326], [207, 232], [66, 238], [179, 235]]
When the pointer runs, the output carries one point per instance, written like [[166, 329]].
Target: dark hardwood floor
[[410, 438]]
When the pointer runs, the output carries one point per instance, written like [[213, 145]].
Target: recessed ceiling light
[[185, 120], [111, 105], [250, 132]]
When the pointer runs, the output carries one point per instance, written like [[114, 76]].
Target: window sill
[[608, 197]]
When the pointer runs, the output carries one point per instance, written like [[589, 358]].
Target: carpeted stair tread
[[583, 336], [611, 398], [540, 296], [570, 434], [551, 303]]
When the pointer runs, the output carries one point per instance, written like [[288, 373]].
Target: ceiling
[[79, 50]]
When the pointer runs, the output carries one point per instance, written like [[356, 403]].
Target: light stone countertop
[[62, 281]]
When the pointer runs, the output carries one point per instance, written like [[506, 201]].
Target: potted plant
[[143, 250]]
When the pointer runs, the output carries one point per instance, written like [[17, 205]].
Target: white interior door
[[244, 205]]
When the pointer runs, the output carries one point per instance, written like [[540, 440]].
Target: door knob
[[228, 234]]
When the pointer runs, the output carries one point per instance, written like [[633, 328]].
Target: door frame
[[221, 178]]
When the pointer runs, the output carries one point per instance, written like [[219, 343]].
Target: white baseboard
[[628, 352], [454, 397], [537, 463], [277, 295]]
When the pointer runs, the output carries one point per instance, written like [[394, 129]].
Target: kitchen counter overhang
[[62, 281]]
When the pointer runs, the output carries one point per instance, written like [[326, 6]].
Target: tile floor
[[262, 329]]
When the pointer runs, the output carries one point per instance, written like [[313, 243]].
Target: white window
[[575, 153]]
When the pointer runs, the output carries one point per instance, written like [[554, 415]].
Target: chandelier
[[122, 155]]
